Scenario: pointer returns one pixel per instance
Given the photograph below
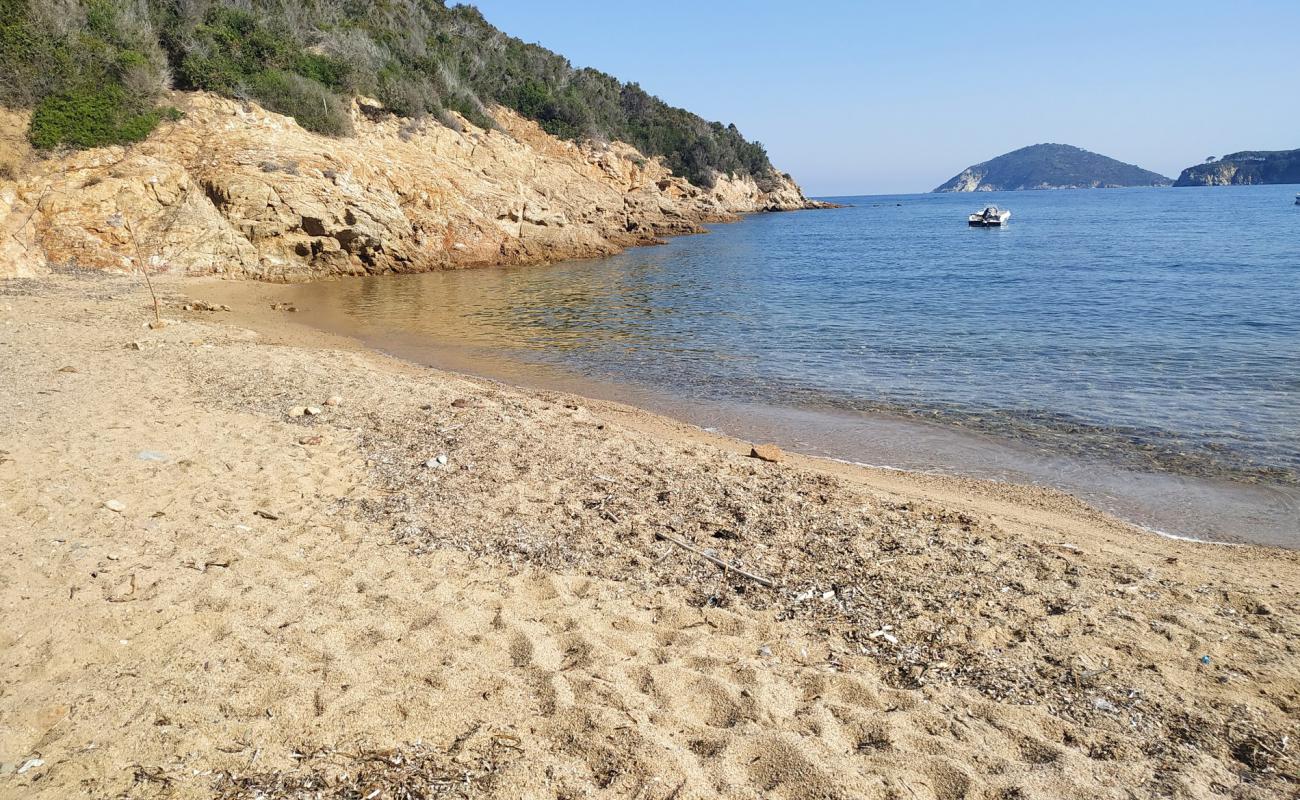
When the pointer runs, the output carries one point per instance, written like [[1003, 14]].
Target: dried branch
[[717, 561]]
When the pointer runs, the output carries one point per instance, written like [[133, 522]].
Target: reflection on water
[[1101, 343]]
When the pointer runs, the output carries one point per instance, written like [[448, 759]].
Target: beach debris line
[[413, 771], [717, 561], [199, 305]]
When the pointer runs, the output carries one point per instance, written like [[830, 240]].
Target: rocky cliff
[[235, 190], [1050, 166], [1247, 167]]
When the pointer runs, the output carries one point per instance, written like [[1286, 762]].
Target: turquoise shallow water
[[1154, 330]]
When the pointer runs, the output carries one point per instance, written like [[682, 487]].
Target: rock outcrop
[[1245, 168], [235, 190]]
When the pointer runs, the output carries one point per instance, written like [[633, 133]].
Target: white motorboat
[[990, 217]]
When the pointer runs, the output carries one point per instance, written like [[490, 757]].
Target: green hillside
[[94, 73], [1050, 166]]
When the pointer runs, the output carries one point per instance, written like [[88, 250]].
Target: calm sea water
[[1152, 331]]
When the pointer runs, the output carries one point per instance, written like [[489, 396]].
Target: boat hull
[[991, 217]]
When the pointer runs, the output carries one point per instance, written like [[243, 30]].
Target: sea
[[1138, 348]]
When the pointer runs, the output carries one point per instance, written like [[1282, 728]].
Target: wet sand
[[444, 584], [1203, 507]]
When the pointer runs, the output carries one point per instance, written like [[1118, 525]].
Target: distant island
[[1246, 167], [1050, 166]]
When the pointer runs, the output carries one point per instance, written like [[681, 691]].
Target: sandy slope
[[283, 598]]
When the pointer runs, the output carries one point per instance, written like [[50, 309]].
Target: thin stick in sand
[[714, 560]]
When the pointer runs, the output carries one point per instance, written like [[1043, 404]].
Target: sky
[[895, 97]]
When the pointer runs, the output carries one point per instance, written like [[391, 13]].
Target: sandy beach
[[244, 559]]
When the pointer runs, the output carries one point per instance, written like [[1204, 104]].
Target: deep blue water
[[1157, 327]]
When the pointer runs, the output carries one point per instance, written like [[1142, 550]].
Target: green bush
[[90, 117], [228, 50], [32, 62], [90, 71], [312, 105]]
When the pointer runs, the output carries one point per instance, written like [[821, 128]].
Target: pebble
[[334, 400], [766, 452], [437, 461], [313, 410], [115, 505], [311, 439], [30, 764], [151, 455], [297, 411]]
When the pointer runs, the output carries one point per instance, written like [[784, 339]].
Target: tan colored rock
[[767, 452], [236, 190]]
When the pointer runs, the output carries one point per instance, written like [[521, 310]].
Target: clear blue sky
[[881, 97]]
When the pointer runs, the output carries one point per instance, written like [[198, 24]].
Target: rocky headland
[[1245, 168], [1050, 166], [232, 189]]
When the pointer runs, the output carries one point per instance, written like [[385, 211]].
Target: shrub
[[314, 107], [418, 57], [90, 117], [406, 95]]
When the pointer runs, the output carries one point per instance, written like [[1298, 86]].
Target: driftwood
[[717, 561]]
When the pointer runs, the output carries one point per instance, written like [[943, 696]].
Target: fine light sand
[[298, 606]]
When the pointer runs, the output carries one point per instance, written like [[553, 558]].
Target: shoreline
[[1194, 506], [480, 582]]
